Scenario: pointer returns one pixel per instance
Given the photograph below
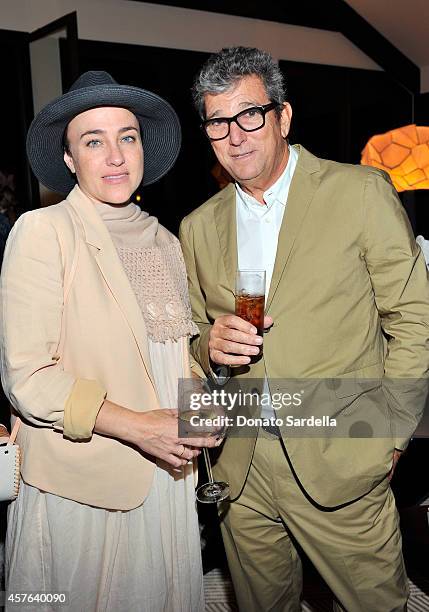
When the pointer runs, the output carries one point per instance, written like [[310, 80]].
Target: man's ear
[[68, 160], [285, 119]]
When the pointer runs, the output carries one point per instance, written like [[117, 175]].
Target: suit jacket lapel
[[226, 225], [303, 186], [107, 259]]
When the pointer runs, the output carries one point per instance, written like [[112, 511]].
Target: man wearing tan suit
[[344, 274]]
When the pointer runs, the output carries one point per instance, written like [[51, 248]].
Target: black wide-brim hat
[[159, 125]]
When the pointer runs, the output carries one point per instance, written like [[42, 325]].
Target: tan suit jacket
[[68, 313], [348, 273]]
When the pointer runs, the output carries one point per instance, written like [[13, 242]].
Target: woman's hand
[[4, 434], [155, 432]]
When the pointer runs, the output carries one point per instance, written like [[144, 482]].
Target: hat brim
[[159, 125]]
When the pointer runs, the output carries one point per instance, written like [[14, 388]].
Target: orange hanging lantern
[[403, 153]]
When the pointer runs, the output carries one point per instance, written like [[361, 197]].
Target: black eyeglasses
[[249, 120]]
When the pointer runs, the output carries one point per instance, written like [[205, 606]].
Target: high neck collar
[[123, 212], [128, 225]]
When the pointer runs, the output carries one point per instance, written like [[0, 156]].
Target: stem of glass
[[208, 464]]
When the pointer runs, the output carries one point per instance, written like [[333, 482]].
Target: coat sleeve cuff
[[82, 408]]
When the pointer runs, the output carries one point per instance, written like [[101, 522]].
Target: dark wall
[[336, 110], [15, 113], [422, 109], [16, 109], [168, 73], [419, 200]]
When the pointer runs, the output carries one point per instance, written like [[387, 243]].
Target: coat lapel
[[108, 261], [304, 184], [226, 225]]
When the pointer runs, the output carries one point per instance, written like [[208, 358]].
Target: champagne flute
[[212, 491], [199, 420]]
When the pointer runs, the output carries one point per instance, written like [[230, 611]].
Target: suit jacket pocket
[[348, 387], [364, 413], [358, 381]]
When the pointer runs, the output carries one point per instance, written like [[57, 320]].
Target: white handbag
[[9, 466]]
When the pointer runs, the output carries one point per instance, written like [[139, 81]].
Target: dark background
[[16, 108], [336, 111]]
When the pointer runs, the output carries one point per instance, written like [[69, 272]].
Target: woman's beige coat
[[68, 313]]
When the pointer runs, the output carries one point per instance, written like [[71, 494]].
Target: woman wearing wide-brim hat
[[95, 323]]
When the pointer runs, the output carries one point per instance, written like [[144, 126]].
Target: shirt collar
[[278, 192]]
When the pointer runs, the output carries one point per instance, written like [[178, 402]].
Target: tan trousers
[[356, 549]]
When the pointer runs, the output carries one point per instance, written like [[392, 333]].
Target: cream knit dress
[[143, 560]]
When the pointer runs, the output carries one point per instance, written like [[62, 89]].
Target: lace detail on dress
[[157, 275]]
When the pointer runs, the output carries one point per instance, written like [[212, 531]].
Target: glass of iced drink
[[250, 298]]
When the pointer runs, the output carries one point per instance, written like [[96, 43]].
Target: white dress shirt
[[258, 225]]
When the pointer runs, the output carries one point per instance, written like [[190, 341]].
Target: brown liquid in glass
[[251, 308]]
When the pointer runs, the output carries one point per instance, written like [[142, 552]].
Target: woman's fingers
[[185, 453], [174, 460], [182, 455], [209, 442], [159, 438]]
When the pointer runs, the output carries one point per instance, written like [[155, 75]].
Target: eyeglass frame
[[264, 108]]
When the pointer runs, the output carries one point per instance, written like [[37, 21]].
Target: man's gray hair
[[222, 71]]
